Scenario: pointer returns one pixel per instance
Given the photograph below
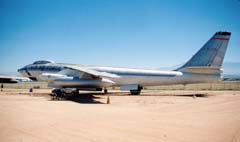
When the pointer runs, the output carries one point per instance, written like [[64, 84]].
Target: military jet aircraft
[[204, 66], [13, 79]]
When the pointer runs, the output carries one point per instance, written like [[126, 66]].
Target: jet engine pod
[[82, 83], [49, 77]]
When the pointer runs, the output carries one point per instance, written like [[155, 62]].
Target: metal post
[[1, 87]]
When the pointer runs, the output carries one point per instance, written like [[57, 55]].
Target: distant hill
[[231, 77]]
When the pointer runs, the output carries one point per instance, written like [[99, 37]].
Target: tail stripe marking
[[218, 38]]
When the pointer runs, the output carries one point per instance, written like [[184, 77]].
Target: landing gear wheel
[[105, 91], [75, 92], [135, 92], [57, 94]]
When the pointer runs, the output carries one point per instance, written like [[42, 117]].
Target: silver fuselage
[[128, 76], [204, 66]]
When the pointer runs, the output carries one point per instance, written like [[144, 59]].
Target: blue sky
[[121, 33]]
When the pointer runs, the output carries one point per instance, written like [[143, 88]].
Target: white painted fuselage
[[143, 77], [204, 66]]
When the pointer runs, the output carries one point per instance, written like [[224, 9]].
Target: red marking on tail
[[219, 38]]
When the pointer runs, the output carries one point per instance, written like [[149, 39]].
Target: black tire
[[75, 93], [135, 92], [105, 91]]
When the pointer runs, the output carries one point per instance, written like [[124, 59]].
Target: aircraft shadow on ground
[[85, 98], [193, 95], [92, 98]]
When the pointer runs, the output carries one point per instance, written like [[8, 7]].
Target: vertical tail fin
[[212, 53]]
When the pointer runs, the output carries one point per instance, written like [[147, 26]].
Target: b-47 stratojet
[[203, 67]]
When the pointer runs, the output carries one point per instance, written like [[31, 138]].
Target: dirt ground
[[155, 116]]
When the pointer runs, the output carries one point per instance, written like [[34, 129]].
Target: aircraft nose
[[20, 70]]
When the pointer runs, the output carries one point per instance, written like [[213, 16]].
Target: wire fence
[[226, 85]]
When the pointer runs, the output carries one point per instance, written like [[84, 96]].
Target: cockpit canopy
[[43, 62]]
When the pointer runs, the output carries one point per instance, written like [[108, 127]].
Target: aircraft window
[[44, 68], [50, 68], [54, 68], [41, 68]]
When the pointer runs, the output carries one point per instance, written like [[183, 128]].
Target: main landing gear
[[105, 91], [60, 94], [57, 94], [136, 92]]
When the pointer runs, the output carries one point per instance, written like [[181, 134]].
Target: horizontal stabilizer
[[202, 70]]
